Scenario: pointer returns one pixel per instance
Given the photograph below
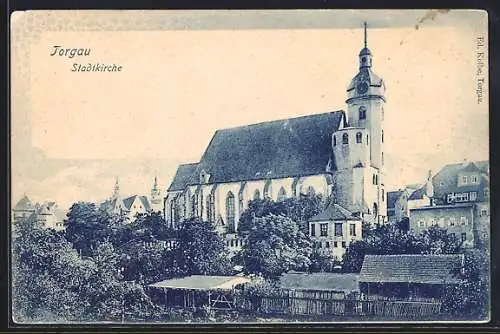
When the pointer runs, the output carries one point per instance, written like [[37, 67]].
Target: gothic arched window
[[173, 212], [382, 136], [359, 137], [374, 181], [383, 195], [230, 212], [366, 139], [345, 138], [194, 206], [281, 194], [266, 190], [210, 209], [375, 209], [256, 194], [362, 112], [334, 140], [311, 191]]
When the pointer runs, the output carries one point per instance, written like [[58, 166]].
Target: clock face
[[362, 87]]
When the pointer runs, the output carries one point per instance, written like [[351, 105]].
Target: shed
[[320, 285], [199, 290], [409, 274]]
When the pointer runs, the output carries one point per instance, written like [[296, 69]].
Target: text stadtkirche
[[75, 53]]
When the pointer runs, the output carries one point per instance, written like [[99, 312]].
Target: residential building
[[333, 230], [47, 213]]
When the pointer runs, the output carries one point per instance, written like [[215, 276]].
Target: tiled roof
[[182, 176], [445, 181], [392, 197], [284, 148], [127, 202], [403, 268], [418, 194], [334, 212], [24, 204], [320, 281]]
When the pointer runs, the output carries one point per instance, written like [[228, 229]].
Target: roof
[[182, 176], [24, 204], [414, 268], [418, 194], [283, 148], [320, 282], [453, 206], [334, 212], [127, 202], [445, 181], [201, 282], [392, 197]]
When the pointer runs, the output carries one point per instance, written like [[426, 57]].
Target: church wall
[[318, 182], [221, 194], [276, 185], [250, 189]]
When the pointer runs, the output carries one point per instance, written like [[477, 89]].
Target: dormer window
[[204, 177]]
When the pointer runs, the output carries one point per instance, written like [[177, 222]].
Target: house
[[409, 276], [333, 229], [47, 213], [336, 154], [457, 219]]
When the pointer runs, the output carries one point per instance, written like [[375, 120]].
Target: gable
[[284, 148]]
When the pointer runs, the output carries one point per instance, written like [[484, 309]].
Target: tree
[[274, 245], [200, 250], [299, 209], [390, 239]]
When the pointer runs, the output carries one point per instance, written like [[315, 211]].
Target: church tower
[[156, 200], [358, 147], [116, 190], [365, 104]]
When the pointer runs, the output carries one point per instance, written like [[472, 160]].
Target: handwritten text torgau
[[69, 52]]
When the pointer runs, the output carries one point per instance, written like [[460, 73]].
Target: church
[[338, 154]]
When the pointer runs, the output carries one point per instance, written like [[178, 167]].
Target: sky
[[73, 133]]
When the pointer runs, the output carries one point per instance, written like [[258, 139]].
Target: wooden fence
[[311, 306]]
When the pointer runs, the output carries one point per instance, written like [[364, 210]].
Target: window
[[362, 112], [382, 136], [194, 206], [474, 179], [327, 244], [486, 192], [352, 230], [375, 209], [382, 158], [266, 190], [453, 220], [338, 230], [463, 221], [334, 140], [359, 137], [473, 195], [311, 191], [344, 244], [173, 212], [463, 237], [210, 209], [230, 212], [323, 230], [313, 230], [421, 224], [441, 222], [335, 244], [464, 179], [383, 195], [484, 212], [463, 197], [441, 183], [345, 139], [367, 139], [450, 198], [281, 194], [256, 194], [373, 179], [432, 222]]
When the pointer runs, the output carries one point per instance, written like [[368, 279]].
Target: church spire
[[116, 190], [366, 39]]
